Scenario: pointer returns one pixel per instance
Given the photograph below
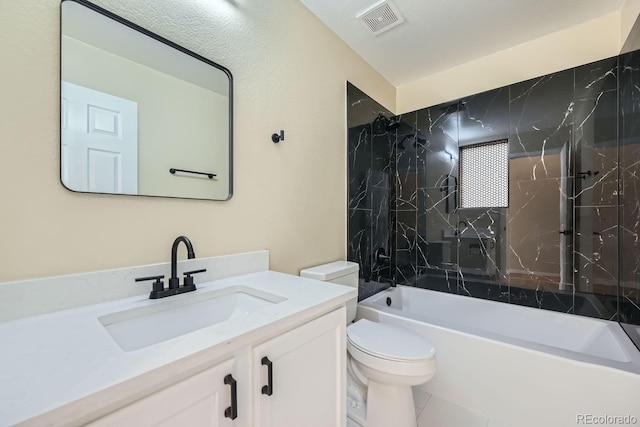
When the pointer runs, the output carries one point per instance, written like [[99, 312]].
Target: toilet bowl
[[389, 360], [384, 361]]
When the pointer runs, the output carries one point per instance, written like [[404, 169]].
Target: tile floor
[[432, 411]]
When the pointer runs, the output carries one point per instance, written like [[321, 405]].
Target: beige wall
[[289, 73], [591, 41], [168, 122], [628, 15]]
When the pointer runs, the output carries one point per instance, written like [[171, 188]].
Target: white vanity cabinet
[[69, 367], [306, 387], [198, 401], [307, 382]]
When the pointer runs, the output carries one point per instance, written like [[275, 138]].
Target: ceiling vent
[[381, 17]]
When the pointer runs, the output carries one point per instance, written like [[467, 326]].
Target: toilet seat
[[389, 349], [389, 342]]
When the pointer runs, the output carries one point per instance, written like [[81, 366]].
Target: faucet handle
[[188, 279], [158, 285], [381, 257]]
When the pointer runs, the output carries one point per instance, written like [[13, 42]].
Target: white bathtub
[[518, 365]]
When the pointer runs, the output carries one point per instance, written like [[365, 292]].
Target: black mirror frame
[[176, 46]]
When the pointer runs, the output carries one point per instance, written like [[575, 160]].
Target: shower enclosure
[[567, 240]]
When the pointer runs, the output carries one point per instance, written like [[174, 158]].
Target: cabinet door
[[308, 370], [198, 401]]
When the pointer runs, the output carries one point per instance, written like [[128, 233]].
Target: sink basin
[[144, 326]]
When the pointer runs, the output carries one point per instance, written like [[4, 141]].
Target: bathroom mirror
[[140, 115]]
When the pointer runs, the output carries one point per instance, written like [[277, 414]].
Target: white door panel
[[99, 141]]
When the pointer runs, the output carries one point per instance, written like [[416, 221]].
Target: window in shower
[[484, 175]]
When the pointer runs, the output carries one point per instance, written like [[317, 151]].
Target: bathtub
[[517, 365]]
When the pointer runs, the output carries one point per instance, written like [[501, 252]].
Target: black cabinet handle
[[268, 389], [232, 411]]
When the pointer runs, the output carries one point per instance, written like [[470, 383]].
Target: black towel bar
[[210, 175]]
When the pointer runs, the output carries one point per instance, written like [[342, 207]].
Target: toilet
[[384, 361]]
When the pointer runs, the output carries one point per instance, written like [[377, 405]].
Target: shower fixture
[[383, 124], [380, 257], [392, 125], [584, 175]]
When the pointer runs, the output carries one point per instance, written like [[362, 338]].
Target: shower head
[[392, 125], [383, 124]]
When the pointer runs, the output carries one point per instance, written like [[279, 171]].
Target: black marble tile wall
[[540, 227], [371, 188], [484, 117], [437, 145], [568, 240], [629, 187], [359, 138], [437, 185], [596, 261], [481, 238], [541, 119], [359, 240], [406, 202], [596, 134]]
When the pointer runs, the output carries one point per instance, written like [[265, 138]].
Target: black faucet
[[380, 257], [391, 283], [174, 288], [174, 282]]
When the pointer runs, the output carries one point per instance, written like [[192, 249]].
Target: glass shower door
[[595, 181]]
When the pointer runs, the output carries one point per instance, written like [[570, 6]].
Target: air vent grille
[[381, 17]]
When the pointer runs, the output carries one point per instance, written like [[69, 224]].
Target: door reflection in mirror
[[134, 106]]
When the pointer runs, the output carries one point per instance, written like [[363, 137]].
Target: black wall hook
[[277, 138]]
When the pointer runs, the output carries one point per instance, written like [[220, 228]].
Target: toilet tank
[[340, 272]]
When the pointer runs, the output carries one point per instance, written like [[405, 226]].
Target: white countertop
[[67, 361]]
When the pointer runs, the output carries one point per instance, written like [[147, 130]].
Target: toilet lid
[[388, 341]]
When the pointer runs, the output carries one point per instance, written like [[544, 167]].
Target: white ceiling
[[440, 34]]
